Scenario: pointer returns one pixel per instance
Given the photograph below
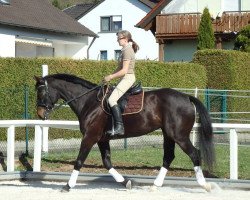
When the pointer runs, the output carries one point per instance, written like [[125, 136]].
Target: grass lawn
[[146, 161]]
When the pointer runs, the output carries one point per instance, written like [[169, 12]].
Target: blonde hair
[[126, 34]]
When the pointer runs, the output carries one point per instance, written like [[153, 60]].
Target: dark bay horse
[[169, 110]]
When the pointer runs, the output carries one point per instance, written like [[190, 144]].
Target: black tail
[[205, 130]]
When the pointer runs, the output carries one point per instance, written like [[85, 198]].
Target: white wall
[[76, 51], [132, 12], [71, 50], [64, 45], [231, 5], [193, 6], [214, 6], [59, 50], [7, 45], [245, 5]]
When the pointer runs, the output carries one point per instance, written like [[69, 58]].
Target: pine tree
[[206, 39]]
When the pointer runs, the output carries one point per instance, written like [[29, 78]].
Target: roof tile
[[41, 15]]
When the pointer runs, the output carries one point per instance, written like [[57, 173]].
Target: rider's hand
[[108, 78]]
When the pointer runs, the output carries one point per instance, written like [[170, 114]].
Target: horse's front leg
[[104, 148], [86, 145]]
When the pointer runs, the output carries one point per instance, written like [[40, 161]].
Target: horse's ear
[[37, 79]]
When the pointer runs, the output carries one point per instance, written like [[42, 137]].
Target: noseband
[[42, 103]]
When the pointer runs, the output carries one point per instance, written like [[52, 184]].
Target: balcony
[[185, 26]]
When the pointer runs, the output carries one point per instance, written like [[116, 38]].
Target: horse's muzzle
[[42, 113]]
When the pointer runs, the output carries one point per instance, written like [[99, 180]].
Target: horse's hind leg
[[194, 155], [104, 148], [168, 157]]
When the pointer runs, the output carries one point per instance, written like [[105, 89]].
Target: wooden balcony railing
[[183, 26], [231, 22]]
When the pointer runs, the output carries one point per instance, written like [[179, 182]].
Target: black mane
[[72, 79]]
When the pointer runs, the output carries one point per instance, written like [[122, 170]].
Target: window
[[44, 51], [104, 55], [117, 54], [111, 23]]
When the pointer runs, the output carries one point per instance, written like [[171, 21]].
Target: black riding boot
[[119, 128]]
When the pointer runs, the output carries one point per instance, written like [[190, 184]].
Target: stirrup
[[113, 133], [118, 130]]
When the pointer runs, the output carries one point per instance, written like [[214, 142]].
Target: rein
[[48, 110], [75, 98]]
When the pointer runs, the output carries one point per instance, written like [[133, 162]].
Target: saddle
[[130, 103]]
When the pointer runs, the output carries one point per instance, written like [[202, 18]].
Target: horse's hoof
[[65, 188], [127, 183], [207, 187]]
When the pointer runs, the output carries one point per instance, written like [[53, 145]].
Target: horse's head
[[46, 97]]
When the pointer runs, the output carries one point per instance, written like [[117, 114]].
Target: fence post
[[45, 134], [45, 70], [37, 149], [125, 143], [45, 130], [233, 154], [26, 116], [11, 148], [207, 99], [224, 106], [195, 140]]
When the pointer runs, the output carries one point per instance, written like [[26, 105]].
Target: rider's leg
[[119, 128], [126, 82]]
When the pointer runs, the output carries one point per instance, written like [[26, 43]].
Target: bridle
[[44, 102], [48, 108]]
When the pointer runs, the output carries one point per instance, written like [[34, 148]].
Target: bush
[[227, 70], [242, 41], [17, 74]]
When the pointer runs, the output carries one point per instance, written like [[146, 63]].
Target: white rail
[[41, 135]]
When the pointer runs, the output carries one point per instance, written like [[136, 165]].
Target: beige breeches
[[125, 83]]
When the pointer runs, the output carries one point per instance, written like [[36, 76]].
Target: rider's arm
[[119, 73], [123, 71]]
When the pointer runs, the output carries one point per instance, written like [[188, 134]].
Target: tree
[[242, 41], [206, 39]]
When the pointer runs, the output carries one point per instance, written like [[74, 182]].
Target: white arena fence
[[41, 139], [216, 102]]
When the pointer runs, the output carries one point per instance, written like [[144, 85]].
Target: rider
[[124, 71]]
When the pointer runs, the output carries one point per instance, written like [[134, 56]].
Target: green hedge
[[226, 69], [229, 70], [20, 71], [17, 74]]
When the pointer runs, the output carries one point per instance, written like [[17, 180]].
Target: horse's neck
[[70, 92]]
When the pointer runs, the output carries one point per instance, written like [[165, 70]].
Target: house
[[107, 17], [175, 25], [35, 28]]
